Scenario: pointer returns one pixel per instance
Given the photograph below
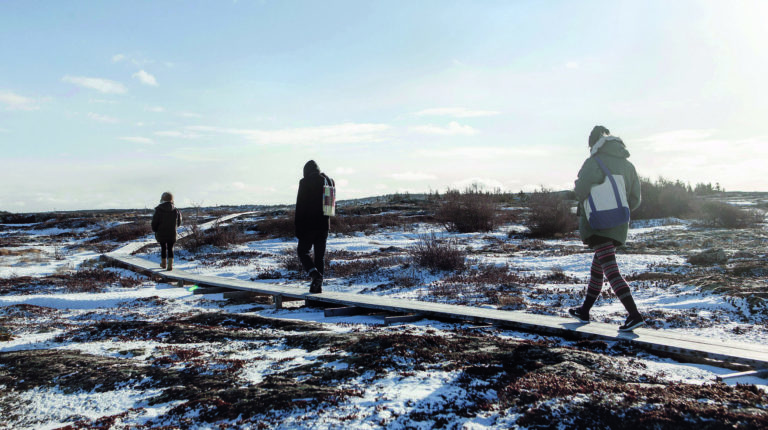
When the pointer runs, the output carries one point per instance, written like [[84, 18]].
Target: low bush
[[468, 211], [125, 232], [435, 254], [218, 235], [278, 226], [718, 214], [550, 214], [664, 198]]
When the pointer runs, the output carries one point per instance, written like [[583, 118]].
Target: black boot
[[317, 282]]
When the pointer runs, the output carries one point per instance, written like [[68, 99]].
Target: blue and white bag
[[606, 206]]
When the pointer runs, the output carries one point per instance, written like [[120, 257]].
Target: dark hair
[[597, 132]]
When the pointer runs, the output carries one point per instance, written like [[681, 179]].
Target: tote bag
[[606, 206]]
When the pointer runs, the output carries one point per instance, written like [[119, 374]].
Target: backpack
[[329, 196], [606, 206]]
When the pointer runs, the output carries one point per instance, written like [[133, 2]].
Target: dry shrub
[[664, 198], [348, 224], [550, 215], [218, 235], [354, 268], [279, 226], [96, 279], [718, 214], [468, 211], [125, 232], [435, 254]]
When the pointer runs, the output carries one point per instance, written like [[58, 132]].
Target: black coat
[[309, 202], [164, 222]]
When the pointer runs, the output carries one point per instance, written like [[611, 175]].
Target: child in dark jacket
[[164, 223]]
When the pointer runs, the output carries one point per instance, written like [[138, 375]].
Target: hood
[[610, 145], [311, 169], [165, 207]]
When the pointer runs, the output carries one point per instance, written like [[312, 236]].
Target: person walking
[[312, 225], [611, 151], [164, 223]]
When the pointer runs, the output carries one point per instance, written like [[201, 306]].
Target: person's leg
[[170, 255], [595, 284], [305, 244], [319, 243], [606, 254], [163, 255]]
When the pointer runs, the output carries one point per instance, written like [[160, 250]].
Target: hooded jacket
[[309, 202], [164, 222], [614, 154]]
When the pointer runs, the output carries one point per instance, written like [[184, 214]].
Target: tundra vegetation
[[87, 345]]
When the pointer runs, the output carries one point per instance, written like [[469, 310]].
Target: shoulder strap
[[609, 176]]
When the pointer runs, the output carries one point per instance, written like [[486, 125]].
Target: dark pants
[[313, 239], [166, 249]]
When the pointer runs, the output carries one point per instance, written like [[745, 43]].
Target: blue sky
[[108, 104]]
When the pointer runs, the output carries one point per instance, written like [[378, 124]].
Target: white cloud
[[344, 171], [341, 182], [238, 185], [177, 134], [118, 58], [453, 129], [456, 112], [102, 118], [157, 109], [135, 139], [4, 130], [486, 152], [13, 101], [675, 140], [145, 78], [105, 86], [340, 133], [412, 176], [572, 65]]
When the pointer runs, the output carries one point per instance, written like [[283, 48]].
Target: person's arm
[[178, 218], [589, 175], [298, 219], [634, 194], [155, 221]]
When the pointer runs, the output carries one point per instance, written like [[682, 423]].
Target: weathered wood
[[697, 348], [235, 294], [210, 290], [760, 373], [397, 319], [278, 301], [343, 311]]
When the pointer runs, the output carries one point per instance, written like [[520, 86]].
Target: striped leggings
[[604, 265]]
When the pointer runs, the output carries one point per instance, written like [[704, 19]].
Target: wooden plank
[[236, 294], [396, 319], [210, 290], [761, 373], [343, 311]]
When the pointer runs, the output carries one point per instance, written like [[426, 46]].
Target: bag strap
[[608, 175], [328, 181]]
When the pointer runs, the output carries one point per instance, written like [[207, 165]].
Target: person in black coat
[[164, 223], [311, 224]]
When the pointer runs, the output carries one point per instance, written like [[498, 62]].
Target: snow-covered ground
[[46, 319]]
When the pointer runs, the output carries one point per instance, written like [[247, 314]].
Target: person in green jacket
[[614, 154]]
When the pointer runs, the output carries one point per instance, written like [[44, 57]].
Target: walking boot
[[316, 286], [170, 264], [162, 263]]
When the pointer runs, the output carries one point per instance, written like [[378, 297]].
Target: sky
[[108, 104]]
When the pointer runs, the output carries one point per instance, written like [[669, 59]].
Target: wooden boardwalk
[[684, 347]]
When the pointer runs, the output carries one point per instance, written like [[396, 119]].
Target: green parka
[[614, 154]]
